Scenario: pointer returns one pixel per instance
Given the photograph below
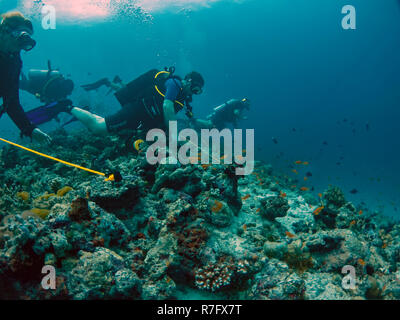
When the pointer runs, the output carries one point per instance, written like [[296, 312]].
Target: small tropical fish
[[360, 212], [306, 163], [303, 188], [308, 174], [384, 245], [246, 197], [354, 191], [244, 227], [361, 262], [283, 194], [318, 210], [305, 178], [295, 171], [274, 140], [289, 235], [205, 166], [320, 195], [258, 210], [298, 162], [352, 223]]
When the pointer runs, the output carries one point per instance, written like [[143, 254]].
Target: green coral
[[334, 196], [274, 207]]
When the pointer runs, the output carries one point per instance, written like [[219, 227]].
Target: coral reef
[[167, 228]]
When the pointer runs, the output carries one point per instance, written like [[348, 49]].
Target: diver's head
[[58, 89], [193, 83], [16, 32]]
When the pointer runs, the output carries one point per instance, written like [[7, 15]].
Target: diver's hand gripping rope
[[112, 177]]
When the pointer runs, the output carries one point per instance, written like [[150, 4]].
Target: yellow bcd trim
[[160, 93]]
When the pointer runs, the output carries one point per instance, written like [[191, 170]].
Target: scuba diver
[[47, 85], [51, 88], [15, 35], [150, 101], [229, 112]]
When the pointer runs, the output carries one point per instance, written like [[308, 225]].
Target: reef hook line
[[112, 177]]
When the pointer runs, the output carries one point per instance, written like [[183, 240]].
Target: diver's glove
[[40, 136], [97, 84]]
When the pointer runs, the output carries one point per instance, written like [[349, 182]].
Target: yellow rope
[[52, 158]]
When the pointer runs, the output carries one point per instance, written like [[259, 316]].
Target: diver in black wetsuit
[[15, 35], [227, 113], [51, 88], [149, 101]]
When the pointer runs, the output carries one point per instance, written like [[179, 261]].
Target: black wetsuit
[[143, 105], [10, 69], [225, 114]]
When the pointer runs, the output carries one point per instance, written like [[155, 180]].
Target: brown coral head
[[79, 210]]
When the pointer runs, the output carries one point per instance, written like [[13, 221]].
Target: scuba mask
[[24, 38]]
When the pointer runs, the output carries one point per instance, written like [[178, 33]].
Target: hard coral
[[274, 207], [79, 210], [334, 196], [213, 277]]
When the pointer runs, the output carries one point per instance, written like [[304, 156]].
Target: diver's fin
[[48, 112], [96, 85]]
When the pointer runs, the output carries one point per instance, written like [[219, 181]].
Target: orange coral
[[23, 195], [62, 192], [217, 206]]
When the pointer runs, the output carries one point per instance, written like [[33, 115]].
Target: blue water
[[292, 58]]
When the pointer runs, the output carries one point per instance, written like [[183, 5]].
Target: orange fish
[[303, 188], [320, 195], [361, 262], [306, 163], [205, 166], [305, 178], [384, 245], [352, 223], [318, 210], [258, 210], [244, 227], [298, 162], [295, 171], [283, 194], [246, 197], [289, 235], [360, 212]]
